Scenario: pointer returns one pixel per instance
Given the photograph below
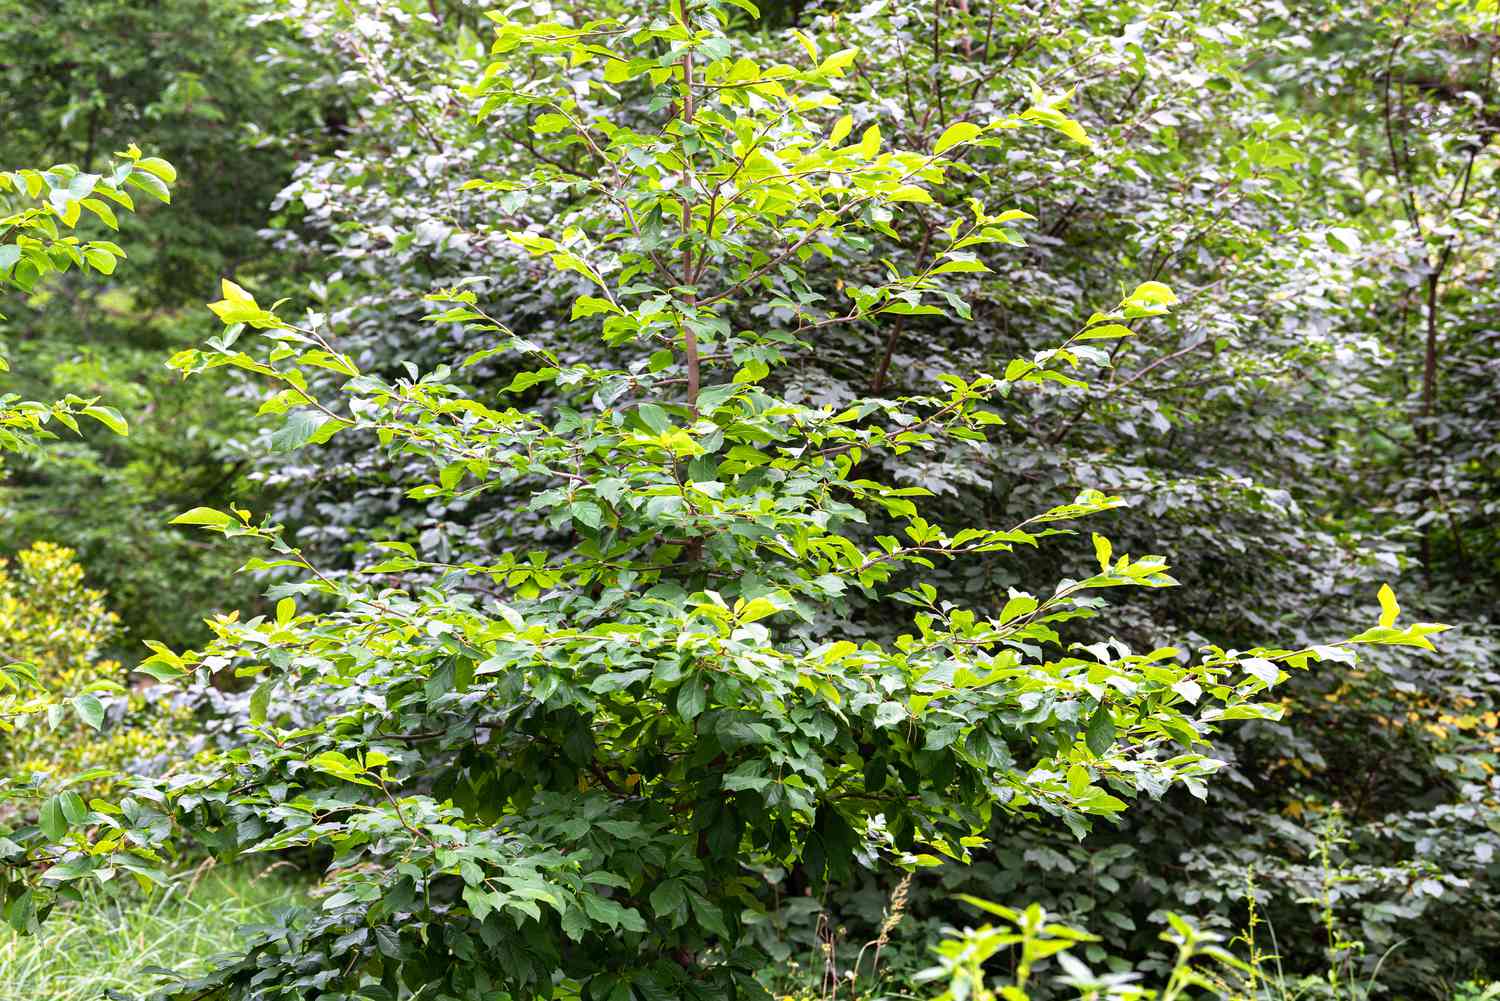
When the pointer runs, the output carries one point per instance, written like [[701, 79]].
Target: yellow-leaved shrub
[[51, 619]]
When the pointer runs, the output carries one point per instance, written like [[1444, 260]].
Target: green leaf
[[89, 709], [711, 917], [586, 513], [668, 899], [608, 912], [1100, 735], [960, 265], [239, 306], [653, 417], [919, 195], [1017, 606], [588, 305], [151, 184], [103, 211], [260, 701], [234, 292], [51, 819], [692, 699], [20, 913], [549, 123], [74, 809], [101, 261], [757, 608], [1262, 669], [301, 427], [340, 766], [525, 380]]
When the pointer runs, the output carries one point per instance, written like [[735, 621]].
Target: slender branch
[[878, 382], [689, 336], [937, 64], [1408, 197]]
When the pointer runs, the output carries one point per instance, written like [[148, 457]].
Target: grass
[[103, 942]]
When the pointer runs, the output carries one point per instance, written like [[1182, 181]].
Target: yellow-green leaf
[[159, 167], [953, 135], [841, 130], [1103, 551], [1155, 293], [202, 516], [835, 64], [1388, 607]]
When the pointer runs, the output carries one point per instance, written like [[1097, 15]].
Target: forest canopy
[[700, 500]]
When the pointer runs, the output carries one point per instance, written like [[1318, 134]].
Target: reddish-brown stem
[[689, 338], [937, 63], [878, 383]]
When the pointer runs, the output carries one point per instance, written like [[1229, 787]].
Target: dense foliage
[[664, 467], [85, 77], [53, 622]]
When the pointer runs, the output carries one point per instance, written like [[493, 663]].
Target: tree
[[594, 759], [1259, 433]]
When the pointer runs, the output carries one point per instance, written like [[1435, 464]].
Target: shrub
[[51, 620], [571, 767]]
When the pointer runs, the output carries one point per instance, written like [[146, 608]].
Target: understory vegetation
[[969, 500], [111, 939]]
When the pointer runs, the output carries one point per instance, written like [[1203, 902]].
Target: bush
[[51, 620], [590, 762]]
